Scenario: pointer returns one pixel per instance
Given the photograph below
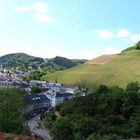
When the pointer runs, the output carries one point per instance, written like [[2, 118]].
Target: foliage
[[20, 60], [128, 49], [10, 104], [133, 86], [36, 90], [85, 126], [94, 136], [62, 129], [137, 46], [135, 121], [64, 62], [49, 120], [79, 61], [110, 113], [102, 89], [39, 66]]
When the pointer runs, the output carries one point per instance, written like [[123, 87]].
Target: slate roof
[[58, 94], [35, 98]]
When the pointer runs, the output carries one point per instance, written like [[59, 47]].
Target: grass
[[120, 71]]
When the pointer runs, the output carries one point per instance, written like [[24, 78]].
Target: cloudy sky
[[69, 28]]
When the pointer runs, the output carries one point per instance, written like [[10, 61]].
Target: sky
[[82, 29]]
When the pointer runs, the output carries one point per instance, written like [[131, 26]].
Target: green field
[[119, 71]]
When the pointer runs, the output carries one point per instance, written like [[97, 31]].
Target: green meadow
[[120, 71]]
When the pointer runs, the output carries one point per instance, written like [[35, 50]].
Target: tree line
[[11, 103], [109, 113]]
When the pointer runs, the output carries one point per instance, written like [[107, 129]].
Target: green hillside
[[122, 69], [21, 60]]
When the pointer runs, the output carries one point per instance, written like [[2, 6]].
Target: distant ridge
[[23, 61], [101, 60]]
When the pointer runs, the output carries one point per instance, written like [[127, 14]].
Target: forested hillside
[[106, 114]]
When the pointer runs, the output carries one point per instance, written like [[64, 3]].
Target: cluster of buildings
[[13, 74], [54, 94]]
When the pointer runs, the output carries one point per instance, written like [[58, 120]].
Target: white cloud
[[135, 37], [41, 12], [104, 34], [44, 18], [123, 33]]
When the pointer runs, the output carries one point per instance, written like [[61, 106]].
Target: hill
[[21, 60], [102, 59], [122, 69], [67, 63], [37, 66]]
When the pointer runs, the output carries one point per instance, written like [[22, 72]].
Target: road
[[42, 132]]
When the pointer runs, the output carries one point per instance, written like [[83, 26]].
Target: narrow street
[[37, 129]]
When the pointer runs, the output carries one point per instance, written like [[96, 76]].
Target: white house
[[57, 97]]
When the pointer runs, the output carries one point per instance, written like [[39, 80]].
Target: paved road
[[43, 133]]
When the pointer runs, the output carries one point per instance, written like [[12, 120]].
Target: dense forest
[[109, 113]]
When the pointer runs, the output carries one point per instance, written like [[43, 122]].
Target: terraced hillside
[[102, 59], [122, 69]]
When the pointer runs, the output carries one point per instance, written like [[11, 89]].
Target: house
[[37, 83], [58, 87], [6, 84], [60, 98], [57, 97], [35, 104]]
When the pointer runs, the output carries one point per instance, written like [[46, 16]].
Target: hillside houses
[[58, 93], [13, 84], [6, 84], [58, 97], [62, 88], [38, 83], [35, 104]]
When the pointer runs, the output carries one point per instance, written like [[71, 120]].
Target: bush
[[62, 129], [94, 136]]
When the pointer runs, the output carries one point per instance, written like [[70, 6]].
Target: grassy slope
[[121, 70]]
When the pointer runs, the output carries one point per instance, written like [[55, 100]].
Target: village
[[49, 95], [45, 99]]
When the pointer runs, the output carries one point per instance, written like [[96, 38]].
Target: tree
[[49, 120], [102, 89], [67, 63], [137, 46], [130, 103], [62, 129], [133, 86], [135, 121], [108, 114], [85, 126], [94, 136], [36, 90], [11, 119]]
